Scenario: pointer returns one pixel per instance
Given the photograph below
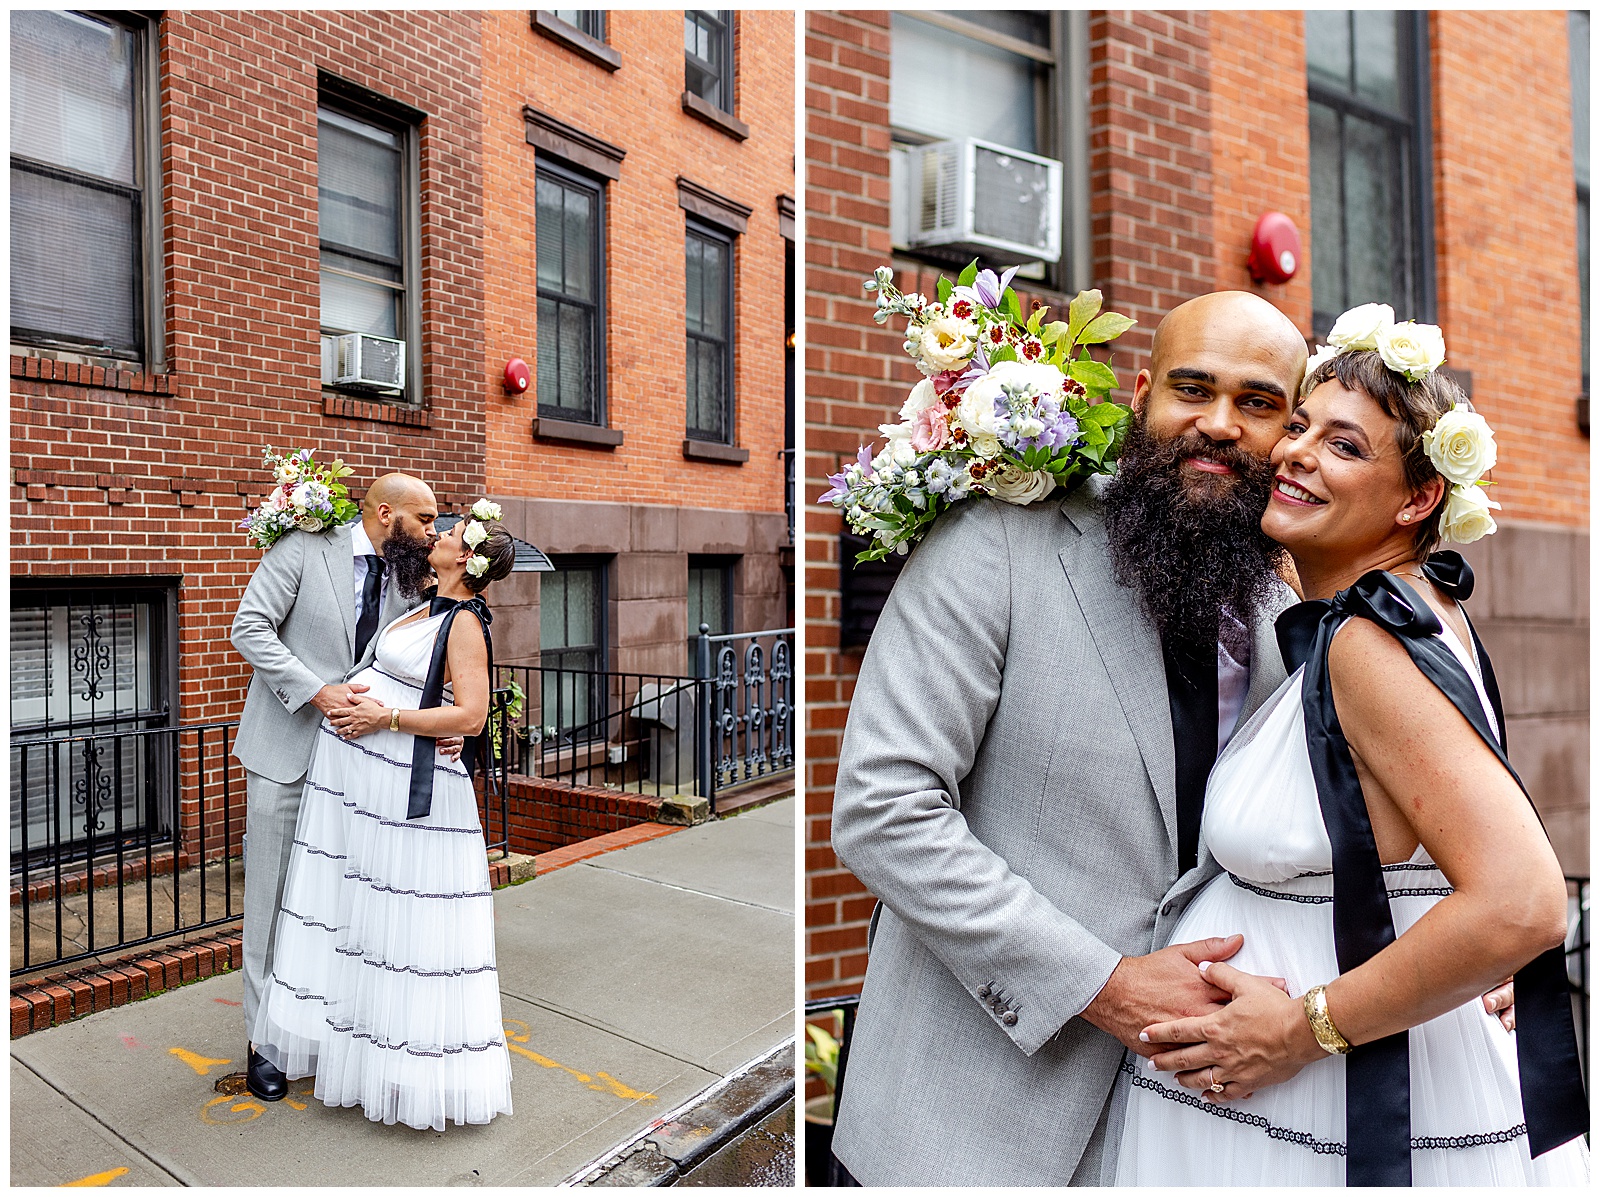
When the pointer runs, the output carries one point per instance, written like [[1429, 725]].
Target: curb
[[674, 1144]]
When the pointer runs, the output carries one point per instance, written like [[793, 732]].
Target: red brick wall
[[153, 481], [546, 816], [849, 370], [1507, 270], [1258, 65], [1150, 165], [638, 109]]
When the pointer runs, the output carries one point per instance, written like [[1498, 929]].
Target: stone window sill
[[575, 39], [378, 411], [723, 122], [574, 432], [709, 451]]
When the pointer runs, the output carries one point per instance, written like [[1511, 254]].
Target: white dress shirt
[[1233, 677]]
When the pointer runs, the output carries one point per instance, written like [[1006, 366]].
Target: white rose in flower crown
[[947, 343], [1324, 353], [922, 397], [474, 535], [1461, 446], [1415, 350], [1013, 484], [1466, 515], [1359, 327], [478, 565], [485, 510]]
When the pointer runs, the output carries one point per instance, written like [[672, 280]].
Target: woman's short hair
[[1414, 406], [502, 554]]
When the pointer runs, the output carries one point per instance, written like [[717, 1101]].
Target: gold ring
[[1216, 1085]]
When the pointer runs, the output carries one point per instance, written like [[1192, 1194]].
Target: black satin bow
[[424, 750], [1378, 1078]]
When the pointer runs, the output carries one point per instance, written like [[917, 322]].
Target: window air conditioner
[[360, 360], [976, 197]]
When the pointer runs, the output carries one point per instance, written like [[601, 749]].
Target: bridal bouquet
[[305, 495], [1007, 407]]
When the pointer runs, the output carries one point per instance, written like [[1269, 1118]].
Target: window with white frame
[[86, 268]]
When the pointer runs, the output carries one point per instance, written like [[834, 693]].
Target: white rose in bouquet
[[1013, 484], [309, 523], [922, 397], [947, 343], [975, 415], [1415, 350], [1461, 446], [310, 494], [1359, 327], [1035, 376], [1466, 515]]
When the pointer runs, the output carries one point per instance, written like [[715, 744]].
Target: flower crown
[[1460, 444], [475, 534]]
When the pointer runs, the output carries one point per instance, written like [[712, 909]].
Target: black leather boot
[[264, 1080]]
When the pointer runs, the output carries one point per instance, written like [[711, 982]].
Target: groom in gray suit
[[309, 617], [1022, 771]]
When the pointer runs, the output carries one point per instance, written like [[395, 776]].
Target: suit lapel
[[341, 563], [1131, 654]]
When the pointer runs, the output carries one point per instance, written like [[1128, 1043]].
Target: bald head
[[400, 503], [1225, 321]]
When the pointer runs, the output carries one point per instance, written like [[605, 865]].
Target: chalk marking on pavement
[[226, 1002], [201, 1064], [96, 1181], [129, 1042], [212, 1115], [93, 1117], [600, 1083]]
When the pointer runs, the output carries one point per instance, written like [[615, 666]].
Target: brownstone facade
[[1196, 124]]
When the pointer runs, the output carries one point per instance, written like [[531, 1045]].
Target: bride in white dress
[[1473, 887], [384, 981]]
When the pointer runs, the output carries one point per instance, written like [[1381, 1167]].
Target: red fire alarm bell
[[1274, 249], [517, 376]]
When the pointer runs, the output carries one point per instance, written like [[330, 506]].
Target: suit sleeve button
[[1009, 1018], [984, 991]]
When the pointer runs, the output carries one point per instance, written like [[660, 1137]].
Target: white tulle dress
[[1263, 824], [384, 981]]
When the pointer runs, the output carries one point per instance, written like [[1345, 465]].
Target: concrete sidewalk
[[630, 982]]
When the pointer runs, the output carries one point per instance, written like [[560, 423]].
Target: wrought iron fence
[[125, 838], [822, 1170], [748, 706], [1578, 897]]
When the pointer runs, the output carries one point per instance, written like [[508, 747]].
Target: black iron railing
[[1578, 898], [125, 838], [748, 706], [826, 1171]]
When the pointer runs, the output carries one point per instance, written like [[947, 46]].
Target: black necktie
[[367, 621], [1192, 695]]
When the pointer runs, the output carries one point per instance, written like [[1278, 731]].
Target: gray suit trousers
[[273, 809]]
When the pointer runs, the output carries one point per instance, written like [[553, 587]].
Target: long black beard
[[1191, 546], [407, 559]]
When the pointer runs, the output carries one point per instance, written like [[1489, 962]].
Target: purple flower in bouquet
[[840, 482], [986, 289]]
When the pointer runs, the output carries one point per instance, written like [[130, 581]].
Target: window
[[366, 227], [572, 645], [85, 200], [88, 663], [569, 227], [710, 600], [1371, 234], [708, 323], [1015, 78], [708, 57], [1578, 58], [591, 21]]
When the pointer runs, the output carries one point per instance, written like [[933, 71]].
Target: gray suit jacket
[[1006, 789], [296, 627]]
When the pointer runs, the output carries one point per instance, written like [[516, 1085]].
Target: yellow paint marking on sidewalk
[[95, 1181], [201, 1064], [615, 1086], [601, 1082]]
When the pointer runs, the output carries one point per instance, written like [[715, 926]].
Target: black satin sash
[[425, 749], [1378, 1076]]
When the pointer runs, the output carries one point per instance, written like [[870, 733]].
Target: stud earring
[[1405, 517]]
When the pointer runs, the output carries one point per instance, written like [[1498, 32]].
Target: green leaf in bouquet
[[1010, 305], [1083, 308], [1052, 332], [1107, 326], [1104, 415], [1036, 319], [1003, 354], [969, 275], [944, 289], [1093, 376]]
